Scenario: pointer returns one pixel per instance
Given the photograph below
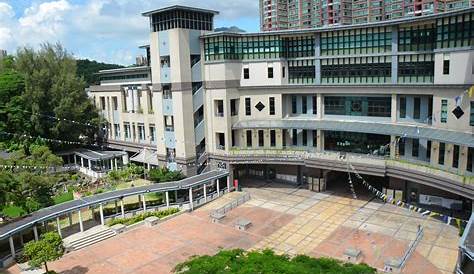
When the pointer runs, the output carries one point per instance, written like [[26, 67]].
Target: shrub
[[141, 217], [161, 175]]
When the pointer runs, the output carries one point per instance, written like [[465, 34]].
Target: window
[[295, 137], [152, 133], [102, 103], [428, 151], [272, 138], [167, 92], [248, 108], [315, 138], [249, 138], [415, 150], [170, 155], [126, 127], [446, 64], [169, 123], [117, 130], [442, 149], [270, 73], [219, 108], [403, 107], [221, 141], [304, 104], [283, 72], [416, 108], [141, 132], [272, 105], [246, 73], [260, 138], [150, 101], [293, 104], [471, 119], [401, 147], [444, 111], [283, 139], [305, 137], [233, 107], [233, 138], [470, 159], [114, 103], [315, 106], [456, 156]]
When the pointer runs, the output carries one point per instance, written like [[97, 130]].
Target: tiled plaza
[[284, 218]]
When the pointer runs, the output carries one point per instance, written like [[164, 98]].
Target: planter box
[[119, 228], [152, 221]]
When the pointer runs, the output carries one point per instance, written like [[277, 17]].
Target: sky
[[104, 30]]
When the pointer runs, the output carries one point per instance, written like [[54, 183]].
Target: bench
[[118, 228], [352, 254], [217, 217], [152, 221], [243, 224], [392, 266]]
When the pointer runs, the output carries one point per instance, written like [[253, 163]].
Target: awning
[[384, 128], [146, 156], [93, 155]]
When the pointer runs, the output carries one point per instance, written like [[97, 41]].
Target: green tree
[[49, 248], [163, 174], [88, 70]]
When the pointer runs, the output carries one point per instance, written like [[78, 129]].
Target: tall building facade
[[302, 14], [388, 99]]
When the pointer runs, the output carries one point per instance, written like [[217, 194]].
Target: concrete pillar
[[191, 206], [112, 164], [58, 225], [394, 71], [320, 105], [176, 196], [79, 216], [218, 188], [115, 163], [463, 153], [101, 211], [12, 246], [394, 106], [82, 162], [320, 140], [228, 184], [393, 147], [122, 208], [205, 193], [90, 164], [144, 203], [22, 241], [167, 199], [317, 54], [35, 233], [448, 156]]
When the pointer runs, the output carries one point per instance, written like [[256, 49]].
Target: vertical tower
[[175, 57]]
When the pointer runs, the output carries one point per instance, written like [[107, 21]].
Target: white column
[[79, 216], [35, 233], [205, 193], [112, 164], [122, 209], [90, 164], [191, 206], [12, 246], [82, 162], [116, 165], [58, 225], [167, 199], [218, 188], [228, 183], [101, 211], [144, 203]]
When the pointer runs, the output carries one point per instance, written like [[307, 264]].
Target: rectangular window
[[126, 128], [293, 105], [401, 147], [442, 149], [248, 108], [102, 103], [315, 138], [152, 133], [446, 64], [249, 138], [272, 138], [470, 159], [304, 104], [169, 123], [117, 130], [141, 132], [295, 137], [283, 137], [315, 106], [219, 108], [232, 136], [444, 111], [283, 72], [415, 150], [270, 73], [456, 156], [246, 73], [260, 138], [471, 119], [403, 107], [416, 108], [305, 137], [167, 94], [114, 103], [233, 107], [272, 105], [221, 141], [428, 151]]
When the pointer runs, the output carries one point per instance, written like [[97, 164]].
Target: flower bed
[[141, 217]]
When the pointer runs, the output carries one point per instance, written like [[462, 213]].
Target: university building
[[302, 14], [389, 100]]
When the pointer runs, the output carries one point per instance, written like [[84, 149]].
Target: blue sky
[[103, 30]]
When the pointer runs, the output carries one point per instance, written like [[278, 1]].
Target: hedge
[[141, 217]]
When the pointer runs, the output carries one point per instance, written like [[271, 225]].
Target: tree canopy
[[267, 262], [88, 68], [49, 248]]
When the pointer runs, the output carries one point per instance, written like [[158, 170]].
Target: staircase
[[87, 238]]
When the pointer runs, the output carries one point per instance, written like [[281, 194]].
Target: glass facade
[[417, 68], [455, 31], [356, 70], [301, 71], [355, 142], [358, 106], [185, 19]]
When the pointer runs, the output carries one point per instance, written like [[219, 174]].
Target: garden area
[[141, 217], [267, 262]]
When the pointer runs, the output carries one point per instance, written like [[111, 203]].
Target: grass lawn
[[13, 211], [62, 198], [134, 199]]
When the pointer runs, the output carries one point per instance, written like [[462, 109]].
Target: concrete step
[[89, 237]]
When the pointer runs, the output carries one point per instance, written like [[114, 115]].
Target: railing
[[411, 248], [228, 207]]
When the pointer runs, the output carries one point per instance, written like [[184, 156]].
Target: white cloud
[[107, 30]]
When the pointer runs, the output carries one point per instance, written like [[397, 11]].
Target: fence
[[228, 207]]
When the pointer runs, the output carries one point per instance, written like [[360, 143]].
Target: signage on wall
[[222, 165]]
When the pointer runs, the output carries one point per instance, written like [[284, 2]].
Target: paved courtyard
[[284, 218]]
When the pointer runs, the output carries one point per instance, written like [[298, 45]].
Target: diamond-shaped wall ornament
[[260, 106], [458, 112]]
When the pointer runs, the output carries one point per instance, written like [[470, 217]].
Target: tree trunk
[[46, 267]]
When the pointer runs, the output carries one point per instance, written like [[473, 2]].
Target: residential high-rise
[[301, 14], [3, 53]]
